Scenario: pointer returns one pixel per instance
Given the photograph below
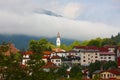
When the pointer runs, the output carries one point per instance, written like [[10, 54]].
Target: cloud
[[72, 10], [19, 17], [45, 25]]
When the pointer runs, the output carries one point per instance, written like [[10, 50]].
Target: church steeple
[[58, 40]]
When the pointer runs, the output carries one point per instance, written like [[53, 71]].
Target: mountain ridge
[[22, 41]]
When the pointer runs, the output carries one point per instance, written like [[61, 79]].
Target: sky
[[74, 19]]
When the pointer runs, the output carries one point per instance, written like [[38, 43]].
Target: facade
[[107, 56], [110, 74], [48, 66], [90, 54], [26, 57], [56, 60], [88, 57]]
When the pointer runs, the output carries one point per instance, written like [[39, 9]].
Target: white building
[[90, 54], [56, 60], [26, 57]]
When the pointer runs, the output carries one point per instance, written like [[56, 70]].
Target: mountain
[[22, 41]]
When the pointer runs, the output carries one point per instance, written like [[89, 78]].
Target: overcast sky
[[75, 19]]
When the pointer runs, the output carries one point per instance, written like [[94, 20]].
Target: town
[[79, 63]]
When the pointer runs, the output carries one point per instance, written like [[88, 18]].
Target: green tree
[[107, 41], [109, 64], [84, 43], [39, 46], [63, 46], [93, 67], [76, 73], [62, 71], [75, 43], [95, 42]]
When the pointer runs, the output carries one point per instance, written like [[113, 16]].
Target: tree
[[39, 46], [75, 43], [93, 67], [62, 71], [95, 42], [109, 64], [76, 73], [63, 46], [107, 41]]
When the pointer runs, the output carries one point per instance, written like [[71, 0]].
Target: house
[[26, 57], [56, 60], [110, 74], [107, 56], [46, 56], [58, 51], [48, 66], [90, 54]]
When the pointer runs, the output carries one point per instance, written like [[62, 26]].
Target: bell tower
[[58, 40]]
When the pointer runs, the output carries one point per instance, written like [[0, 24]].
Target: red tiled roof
[[113, 71], [58, 50], [55, 57], [47, 52], [28, 52], [101, 49], [49, 65], [45, 57]]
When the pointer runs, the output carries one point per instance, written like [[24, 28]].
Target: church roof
[[58, 50]]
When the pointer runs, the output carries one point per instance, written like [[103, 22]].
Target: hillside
[[22, 41], [116, 38]]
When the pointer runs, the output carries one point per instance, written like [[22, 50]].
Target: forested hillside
[[22, 41], [116, 38]]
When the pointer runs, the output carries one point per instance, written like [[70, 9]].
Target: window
[[96, 57], [101, 57], [83, 56], [95, 53], [57, 60], [83, 60], [108, 75], [52, 60], [109, 57], [88, 54], [104, 57], [88, 58]]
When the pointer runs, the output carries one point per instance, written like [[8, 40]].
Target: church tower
[[58, 40]]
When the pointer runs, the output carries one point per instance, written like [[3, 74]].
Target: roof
[[49, 65], [55, 57], [107, 53], [28, 53], [45, 57], [58, 50], [113, 71], [101, 49], [47, 52], [97, 71]]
